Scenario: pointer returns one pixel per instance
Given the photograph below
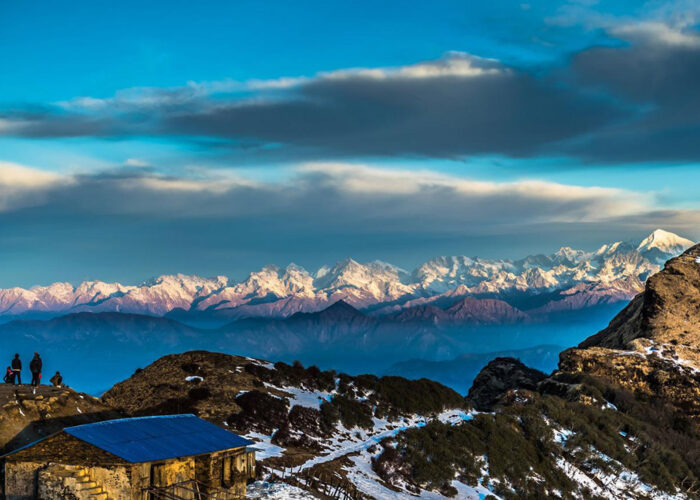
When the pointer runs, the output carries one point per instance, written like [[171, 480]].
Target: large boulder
[[499, 377]]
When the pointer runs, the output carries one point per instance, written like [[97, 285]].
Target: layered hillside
[[620, 418], [519, 433], [544, 284], [319, 424]]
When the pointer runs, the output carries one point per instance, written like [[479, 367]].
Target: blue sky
[[139, 138]]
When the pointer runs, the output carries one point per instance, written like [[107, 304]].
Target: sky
[[145, 138]]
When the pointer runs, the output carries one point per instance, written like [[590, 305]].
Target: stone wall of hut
[[176, 471]]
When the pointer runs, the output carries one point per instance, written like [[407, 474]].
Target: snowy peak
[[568, 256], [663, 242]]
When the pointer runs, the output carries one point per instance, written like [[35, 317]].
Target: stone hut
[[174, 457]]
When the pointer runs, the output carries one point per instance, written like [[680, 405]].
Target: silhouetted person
[[17, 370], [9, 376], [57, 380], [35, 368]]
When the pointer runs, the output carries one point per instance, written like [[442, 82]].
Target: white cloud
[[22, 186], [452, 64], [458, 64], [317, 191], [318, 208], [657, 32], [575, 202], [16, 176], [136, 162], [10, 127]]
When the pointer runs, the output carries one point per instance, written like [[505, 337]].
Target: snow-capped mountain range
[[565, 280]]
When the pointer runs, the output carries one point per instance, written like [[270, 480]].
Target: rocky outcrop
[[652, 347], [665, 315], [655, 375], [497, 378], [26, 416]]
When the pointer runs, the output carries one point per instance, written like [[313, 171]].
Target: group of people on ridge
[[13, 374]]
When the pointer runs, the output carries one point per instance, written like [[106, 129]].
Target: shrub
[[350, 412], [259, 411]]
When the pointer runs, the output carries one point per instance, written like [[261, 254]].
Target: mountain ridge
[[577, 279]]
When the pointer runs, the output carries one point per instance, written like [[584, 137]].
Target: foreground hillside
[[519, 433], [303, 419], [615, 421]]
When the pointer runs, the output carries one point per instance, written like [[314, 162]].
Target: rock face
[[497, 378]]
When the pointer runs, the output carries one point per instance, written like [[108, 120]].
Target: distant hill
[[105, 347]]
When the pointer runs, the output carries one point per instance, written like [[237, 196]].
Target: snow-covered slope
[[370, 437], [614, 272]]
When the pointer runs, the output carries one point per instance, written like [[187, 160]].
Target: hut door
[[158, 476]]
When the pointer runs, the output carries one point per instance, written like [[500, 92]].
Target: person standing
[[17, 370], [35, 368]]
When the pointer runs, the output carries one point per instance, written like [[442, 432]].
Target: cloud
[[22, 186], [657, 33], [345, 193], [452, 110], [657, 73], [139, 222], [632, 100], [454, 106], [537, 199]]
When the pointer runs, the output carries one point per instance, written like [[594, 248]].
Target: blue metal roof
[[148, 439]]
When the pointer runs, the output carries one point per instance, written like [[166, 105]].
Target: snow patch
[[263, 446], [302, 397], [623, 485], [260, 362], [367, 481], [561, 436], [278, 491]]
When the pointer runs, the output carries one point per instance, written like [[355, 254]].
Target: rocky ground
[[26, 416]]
